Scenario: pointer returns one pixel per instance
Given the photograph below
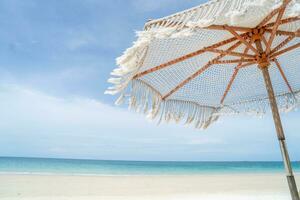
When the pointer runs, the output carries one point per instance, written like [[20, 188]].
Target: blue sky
[[55, 58]]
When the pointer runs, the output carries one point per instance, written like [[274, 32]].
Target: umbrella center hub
[[263, 60], [257, 34]]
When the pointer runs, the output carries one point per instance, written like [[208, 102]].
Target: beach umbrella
[[221, 58]]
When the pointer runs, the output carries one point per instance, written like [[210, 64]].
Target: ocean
[[10, 165]]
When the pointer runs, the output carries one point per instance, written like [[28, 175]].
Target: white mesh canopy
[[196, 65]]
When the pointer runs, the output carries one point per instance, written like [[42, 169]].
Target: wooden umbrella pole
[[264, 64], [280, 134]]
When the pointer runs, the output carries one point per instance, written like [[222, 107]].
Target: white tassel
[[116, 88], [118, 72], [111, 92], [120, 100], [114, 80]]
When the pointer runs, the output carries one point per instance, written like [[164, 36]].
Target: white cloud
[[31, 104], [33, 123]]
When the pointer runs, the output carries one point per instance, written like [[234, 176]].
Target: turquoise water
[[99, 167]]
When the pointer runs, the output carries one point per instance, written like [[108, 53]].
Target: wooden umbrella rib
[[247, 64], [287, 33], [283, 21], [230, 84], [264, 40], [282, 44], [283, 75], [187, 56], [233, 61], [268, 18], [233, 77], [275, 28], [273, 13], [169, 63], [188, 80], [233, 32], [200, 71], [231, 53], [278, 53]]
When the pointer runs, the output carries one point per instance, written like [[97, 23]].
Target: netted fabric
[[175, 70], [170, 48], [179, 72]]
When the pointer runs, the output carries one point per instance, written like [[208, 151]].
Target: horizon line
[[116, 160]]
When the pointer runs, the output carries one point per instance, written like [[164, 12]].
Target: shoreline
[[213, 173]]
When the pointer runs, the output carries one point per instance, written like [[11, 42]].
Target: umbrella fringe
[[144, 99], [150, 101], [286, 102]]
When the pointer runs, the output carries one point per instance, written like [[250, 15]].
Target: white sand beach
[[190, 187]]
